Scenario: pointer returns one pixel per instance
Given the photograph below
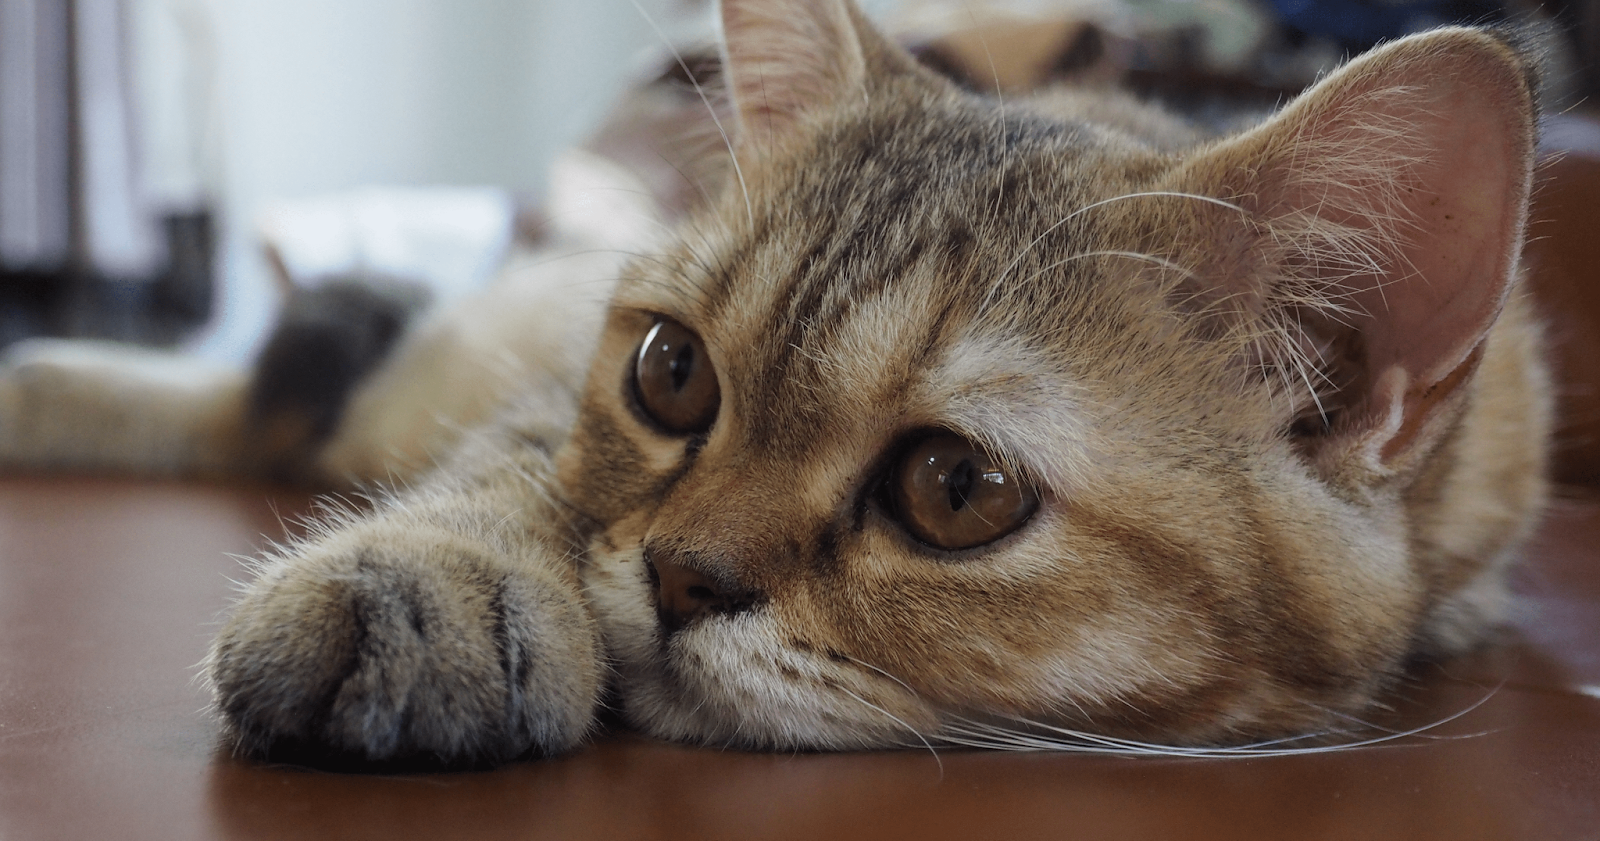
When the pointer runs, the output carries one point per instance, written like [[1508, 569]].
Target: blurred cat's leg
[[78, 405], [446, 623], [531, 334]]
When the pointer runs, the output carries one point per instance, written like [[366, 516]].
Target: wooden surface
[[109, 590]]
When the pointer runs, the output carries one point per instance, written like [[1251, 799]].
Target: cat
[[953, 418]]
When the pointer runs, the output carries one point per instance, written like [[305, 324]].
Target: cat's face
[[941, 418]]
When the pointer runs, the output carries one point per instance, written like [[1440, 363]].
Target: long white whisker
[[1037, 736], [902, 722], [738, 171], [1080, 741], [989, 298], [1422, 731], [1131, 255], [1000, 96]]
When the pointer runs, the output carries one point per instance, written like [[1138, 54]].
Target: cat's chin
[[735, 681]]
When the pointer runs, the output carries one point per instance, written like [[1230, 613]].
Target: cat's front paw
[[423, 649]]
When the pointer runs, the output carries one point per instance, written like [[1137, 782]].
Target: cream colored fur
[[88, 406]]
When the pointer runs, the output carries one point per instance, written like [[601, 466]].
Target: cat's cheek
[[617, 588], [739, 681], [965, 629]]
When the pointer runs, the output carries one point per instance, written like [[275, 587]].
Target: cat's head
[[955, 409]]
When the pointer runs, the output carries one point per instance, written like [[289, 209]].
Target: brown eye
[[676, 384], [950, 494]]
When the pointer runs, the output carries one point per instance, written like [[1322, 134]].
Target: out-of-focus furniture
[[1563, 261]]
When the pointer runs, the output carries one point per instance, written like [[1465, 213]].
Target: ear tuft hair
[[1384, 213]]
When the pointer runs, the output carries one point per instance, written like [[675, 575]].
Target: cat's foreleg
[[445, 623], [80, 405]]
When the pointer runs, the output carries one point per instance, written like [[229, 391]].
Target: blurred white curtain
[[69, 183], [121, 236], [314, 97], [35, 180]]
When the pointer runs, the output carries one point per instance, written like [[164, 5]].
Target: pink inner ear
[[1466, 205], [1417, 159], [784, 58]]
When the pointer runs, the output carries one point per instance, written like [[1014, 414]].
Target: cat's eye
[[674, 381], [951, 494]]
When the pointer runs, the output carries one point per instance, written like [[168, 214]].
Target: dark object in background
[[73, 301], [327, 338], [1563, 264], [1581, 19], [1308, 36], [83, 253], [1358, 25]]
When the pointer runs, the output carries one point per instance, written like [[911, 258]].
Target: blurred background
[[142, 141], [149, 147]]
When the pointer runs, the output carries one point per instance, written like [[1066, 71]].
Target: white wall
[[261, 100]]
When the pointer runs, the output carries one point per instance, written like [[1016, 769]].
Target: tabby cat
[[955, 416]]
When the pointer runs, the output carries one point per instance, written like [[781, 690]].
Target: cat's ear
[[1386, 209], [784, 59]]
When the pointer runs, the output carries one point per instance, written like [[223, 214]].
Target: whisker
[[1000, 96], [968, 733], [902, 722], [710, 109], [1422, 732], [1084, 742], [865, 665], [989, 298]]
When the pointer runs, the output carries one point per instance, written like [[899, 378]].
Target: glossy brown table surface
[[109, 590]]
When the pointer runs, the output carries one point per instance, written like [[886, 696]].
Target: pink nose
[[685, 595]]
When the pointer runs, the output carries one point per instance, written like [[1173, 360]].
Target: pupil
[[960, 481], [680, 367]]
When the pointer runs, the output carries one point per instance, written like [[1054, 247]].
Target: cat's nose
[[685, 595]]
